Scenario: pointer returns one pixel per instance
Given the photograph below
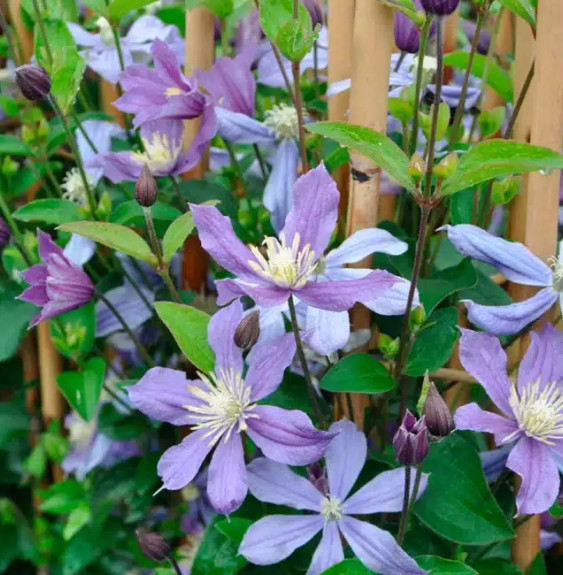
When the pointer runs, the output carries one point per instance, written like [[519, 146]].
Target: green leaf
[[119, 426], [12, 146], [443, 284], [498, 159], [113, 236], [188, 326], [176, 235], [497, 567], [79, 327], [296, 40], [98, 6], [348, 567], [522, 8], [457, 503], [131, 214], [497, 78], [234, 528], [15, 316], [383, 151], [538, 565], [357, 373], [14, 421], [119, 8], [275, 14], [220, 8], [200, 191], [36, 463], [62, 497], [438, 566], [76, 520], [434, 342], [49, 211], [82, 389]]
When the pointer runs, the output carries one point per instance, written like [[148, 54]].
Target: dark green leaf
[[200, 191], [120, 426], [176, 235], [131, 214], [497, 567], [348, 567], [62, 497], [12, 146], [189, 328], [49, 211], [486, 292], [234, 528], [439, 566], [457, 503], [538, 565], [82, 389], [358, 373], [14, 421], [378, 147], [15, 316], [79, 327]]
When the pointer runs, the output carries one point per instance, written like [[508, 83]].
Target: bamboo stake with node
[[200, 54], [371, 62], [534, 217]]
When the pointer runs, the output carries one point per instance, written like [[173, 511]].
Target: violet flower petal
[[242, 129], [46, 246], [273, 482], [36, 294], [329, 551], [221, 337], [264, 295], [472, 417], [394, 300]]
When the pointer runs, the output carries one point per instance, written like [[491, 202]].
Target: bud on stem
[[152, 545], [33, 81], [248, 331]]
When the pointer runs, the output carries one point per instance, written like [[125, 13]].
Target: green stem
[[261, 162], [283, 71], [418, 85], [178, 192], [117, 40], [520, 101], [416, 487], [239, 175], [406, 502], [153, 238], [171, 287]]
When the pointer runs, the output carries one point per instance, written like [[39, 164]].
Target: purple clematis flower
[[274, 538], [101, 53], [517, 263], [220, 406], [57, 285], [531, 410], [291, 262]]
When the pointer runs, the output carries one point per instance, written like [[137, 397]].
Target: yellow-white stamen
[[539, 412], [106, 33], [160, 154], [331, 508], [557, 268], [73, 186], [282, 119], [172, 91], [287, 266], [226, 404]]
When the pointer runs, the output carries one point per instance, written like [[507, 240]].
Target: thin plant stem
[[303, 360], [418, 85], [239, 175], [16, 233], [299, 109], [261, 162], [116, 397], [42, 31], [178, 193], [406, 506], [135, 285], [481, 17], [117, 40], [519, 103], [316, 69], [171, 287], [140, 348], [416, 487], [176, 567], [153, 238]]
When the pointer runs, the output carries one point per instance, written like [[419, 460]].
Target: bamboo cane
[[538, 228], [23, 36], [371, 52], [200, 53], [108, 95], [451, 26], [504, 47]]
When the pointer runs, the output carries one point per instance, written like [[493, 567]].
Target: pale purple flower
[[291, 262], [272, 539], [531, 410], [56, 285], [517, 263], [101, 54], [223, 404]]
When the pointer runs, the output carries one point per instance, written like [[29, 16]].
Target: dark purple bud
[[315, 11], [248, 331], [5, 233], [146, 189], [407, 35], [410, 443], [317, 476], [440, 7], [33, 81], [484, 37], [152, 545], [439, 420]]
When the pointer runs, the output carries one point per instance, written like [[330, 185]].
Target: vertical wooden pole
[[22, 36], [371, 59], [504, 47], [451, 26], [108, 95], [200, 54], [539, 202]]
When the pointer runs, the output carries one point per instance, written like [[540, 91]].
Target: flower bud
[[315, 11], [5, 233], [439, 420], [446, 167], [407, 35], [417, 168], [410, 443], [152, 545], [317, 476], [145, 188], [33, 81], [248, 331], [389, 347], [440, 7]]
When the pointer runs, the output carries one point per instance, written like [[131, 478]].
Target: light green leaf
[[36, 463], [119, 8], [438, 566], [78, 517], [497, 78], [498, 159], [62, 497], [295, 40], [49, 211], [275, 14], [82, 389], [131, 214], [188, 326], [348, 567], [522, 8], [119, 238], [457, 503], [383, 151], [12, 146], [357, 373], [176, 235]]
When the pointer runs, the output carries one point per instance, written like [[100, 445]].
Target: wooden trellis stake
[[371, 62], [108, 95], [535, 214], [22, 36], [200, 54], [451, 26]]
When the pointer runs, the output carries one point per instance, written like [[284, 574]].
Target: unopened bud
[[417, 168], [446, 167], [389, 347], [503, 191], [317, 476], [444, 117], [439, 420], [440, 7], [410, 443], [146, 189], [33, 81], [248, 331], [417, 317], [152, 545]]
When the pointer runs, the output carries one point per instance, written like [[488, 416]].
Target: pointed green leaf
[[49, 211], [522, 8], [357, 373], [176, 235], [82, 389], [438, 566], [119, 8]]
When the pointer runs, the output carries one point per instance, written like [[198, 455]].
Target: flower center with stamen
[[160, 154], [282, 119], [172, 91], [331, 508], [557, 268], [106, 33], [286, 266], [73, 186], [226, 404], [539, 412]]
